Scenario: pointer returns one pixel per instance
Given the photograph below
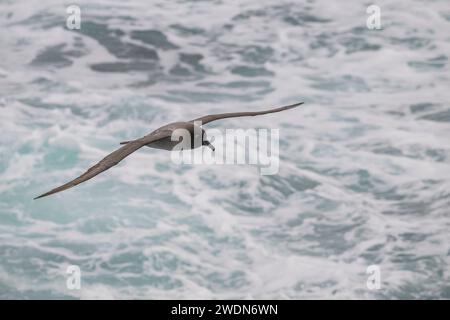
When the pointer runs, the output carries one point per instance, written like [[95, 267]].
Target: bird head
[[205, 141]]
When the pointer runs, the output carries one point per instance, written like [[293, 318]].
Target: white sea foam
[[364, 164]]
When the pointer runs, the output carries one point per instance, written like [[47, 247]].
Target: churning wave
[[364, 171]]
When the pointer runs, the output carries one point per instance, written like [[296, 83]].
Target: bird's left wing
[[214, 117], [110, 160]]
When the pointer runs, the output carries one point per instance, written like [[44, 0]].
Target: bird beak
[[207, 143]]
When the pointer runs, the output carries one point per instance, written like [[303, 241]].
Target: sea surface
[[364, 176]]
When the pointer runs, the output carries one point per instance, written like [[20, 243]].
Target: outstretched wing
[[109, 161], [213, 117]]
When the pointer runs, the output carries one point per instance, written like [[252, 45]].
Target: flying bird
[[161, 138]]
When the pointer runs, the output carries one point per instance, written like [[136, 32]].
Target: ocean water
[[364, 173]]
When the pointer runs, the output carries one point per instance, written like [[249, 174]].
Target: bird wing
[[110, 160], [213, 117]]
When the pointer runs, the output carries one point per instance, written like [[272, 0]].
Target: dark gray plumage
[[159, 139]]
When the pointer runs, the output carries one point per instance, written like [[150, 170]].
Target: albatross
[[160, 139]]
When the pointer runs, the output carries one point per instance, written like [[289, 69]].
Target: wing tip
[[296, 104], [41, 196], [288, 107]]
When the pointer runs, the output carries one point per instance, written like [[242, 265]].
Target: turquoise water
[[364, 173]]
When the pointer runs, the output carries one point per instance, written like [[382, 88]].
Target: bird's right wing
[[110, 160]]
